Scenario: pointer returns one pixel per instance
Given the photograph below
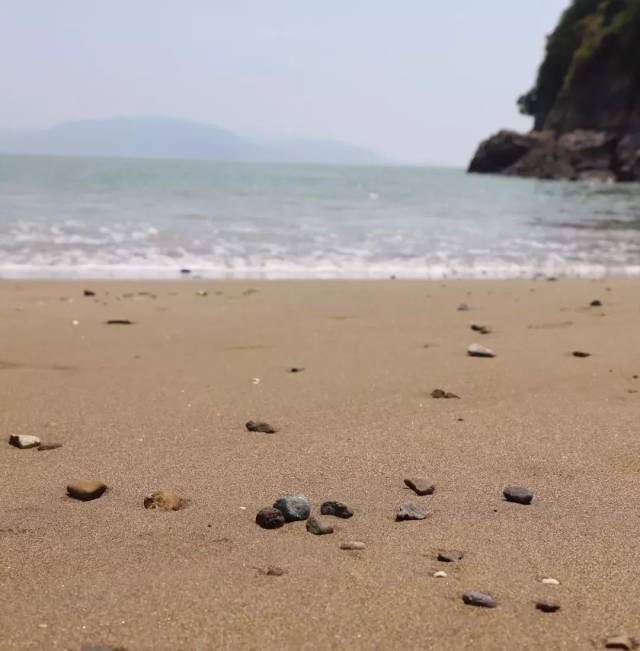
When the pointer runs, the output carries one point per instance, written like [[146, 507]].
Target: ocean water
[[66, 217]]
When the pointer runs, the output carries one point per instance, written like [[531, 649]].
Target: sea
[[134, 218]]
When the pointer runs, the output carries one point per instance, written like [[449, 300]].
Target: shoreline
[[162, 404]]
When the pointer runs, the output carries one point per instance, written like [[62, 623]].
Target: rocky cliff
[[585, 102]]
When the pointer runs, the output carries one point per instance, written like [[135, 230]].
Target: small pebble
[[296, 369], [185, 271], [440, 393], [518, 494], [550, 581], [483, 330], [273, 570], [476, 350], [119, 322], [450, 556], [479, 599], [86, 489], [260, 426], [353, 544], [440, 574], [49, 446], [202, 292], [270, 518], [463, 307], [318, 527], [547, 606], [24, 441], [338, 509], [163, 500], [596, 303], [88, 292], [580, 353], [410, 511], [420, 486], [293, 507], [620, 642]]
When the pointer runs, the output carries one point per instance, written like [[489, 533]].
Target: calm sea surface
[[144, 218]]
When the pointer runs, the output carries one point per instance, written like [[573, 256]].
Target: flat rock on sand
[[441, 393], [476, 350], [163, 500], [24, 441], [318, 527], [620, 642], [410, 511], [451, 556], [480, 599], [86, 489], [353, 545], [518, 494], [338, 509], [420, 486], [260, 426]]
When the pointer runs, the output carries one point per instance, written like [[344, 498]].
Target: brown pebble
[[86, 489], [580, 353], [546, 606], [119, 322], [439, 393], [260, 426], [420, 486], [273, 570], [163, 500]]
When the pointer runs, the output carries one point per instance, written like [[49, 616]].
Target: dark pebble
[[518, 494], [260, 426], [338, 509], [420, 486], [596, 303], [410, 511], [483, 330], [439, 393], [119, 322], [270, 518], [450, 556], [88, 292], [547, 606], [479, 599], [185, 271], [296, 369], [580, 353]]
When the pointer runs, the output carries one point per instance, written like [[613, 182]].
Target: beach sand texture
[[162, 404]]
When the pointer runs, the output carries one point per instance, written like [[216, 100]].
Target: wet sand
[[162, 404]]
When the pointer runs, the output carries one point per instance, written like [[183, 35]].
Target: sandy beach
[[162, 404]]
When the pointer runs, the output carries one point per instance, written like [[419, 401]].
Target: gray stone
[[410, 511], [318, 527], [476, 350], [353, 545], [420, 486], [24, 441], [260, 426], [518, 494], [450, 556], [479, 599], [270, 518], [338, 509], [293, 507]]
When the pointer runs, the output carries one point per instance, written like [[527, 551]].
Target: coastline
[[162, 403]]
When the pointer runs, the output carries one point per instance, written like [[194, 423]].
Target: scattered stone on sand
[[451, 556], [596, 303], [476, 350], [354, 545], [119, 322], [163, 500], [339, 509], [580, 353], [463, 307], [185, 271], [410, 511], [260, 426], [88, 292], [271, 570], [546, 606], [270, 518], [202, 292], [86, 489], [550, 581], [440, 393], [518, 494], [440, 575], [420, 486], [24, 441], [620, 642], [479, 599], [293, 507], [295, 369], [49, 446], [483, 330], [318, 527]]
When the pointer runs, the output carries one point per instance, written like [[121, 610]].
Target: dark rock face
[[339, 509], [585, 102], [270, 518]]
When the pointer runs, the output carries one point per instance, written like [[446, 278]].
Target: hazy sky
[[416, 80]]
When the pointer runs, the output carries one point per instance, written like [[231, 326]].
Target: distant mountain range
[[151, 137]]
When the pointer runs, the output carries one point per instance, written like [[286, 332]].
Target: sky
[[414, 80]]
